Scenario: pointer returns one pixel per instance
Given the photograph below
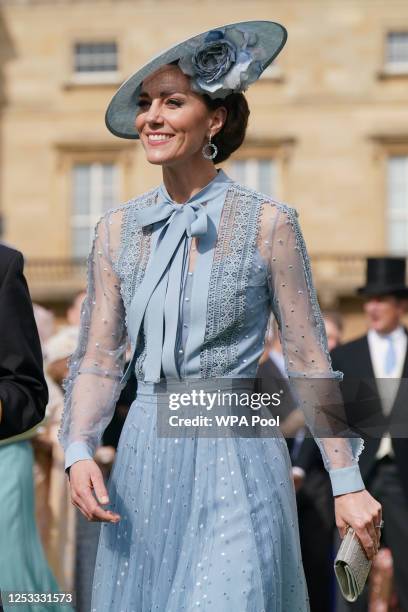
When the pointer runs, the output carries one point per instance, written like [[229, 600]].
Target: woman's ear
[[218, 120]]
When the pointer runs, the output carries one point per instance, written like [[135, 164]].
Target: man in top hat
[[376, 399]]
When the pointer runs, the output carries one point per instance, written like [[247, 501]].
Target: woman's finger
[[366, 540], [99, 487], [373, 531], [93, 508], [376, 522], [342, 527], [99, 514], [76, 500], [379, 521]]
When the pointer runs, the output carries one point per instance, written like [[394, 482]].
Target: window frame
[[279, 150], [111, 78], [395, 66], [76, 57], [395, 216], [253, 169], [384, 146], [88, 221], [67, 155], [392, 70]]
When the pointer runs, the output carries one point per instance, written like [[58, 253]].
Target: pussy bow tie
[[158, 297]]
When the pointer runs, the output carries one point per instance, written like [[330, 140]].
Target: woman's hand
[[85, 476], [363, 513]]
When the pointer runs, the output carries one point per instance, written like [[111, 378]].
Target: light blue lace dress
[[206, 523]]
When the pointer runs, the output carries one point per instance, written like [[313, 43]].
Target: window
[[94, 191], [258, 174], [95, 57], [397, 188], [397, 52]]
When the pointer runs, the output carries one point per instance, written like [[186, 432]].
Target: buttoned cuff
[[346, 480], [77, 451]]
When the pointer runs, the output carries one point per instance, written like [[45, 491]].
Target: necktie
[[159, 292], [297, 443], [388, 388], [390, 360]]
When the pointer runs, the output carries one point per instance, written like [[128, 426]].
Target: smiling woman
[[177, 95], [191, 272], [173, 121]]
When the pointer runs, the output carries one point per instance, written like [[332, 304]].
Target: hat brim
[[121, 112], [398, 290]]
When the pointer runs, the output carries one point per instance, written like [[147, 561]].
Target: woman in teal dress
[[23, 566], [191, 271]]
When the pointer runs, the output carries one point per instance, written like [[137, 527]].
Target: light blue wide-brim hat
[[220, 61]]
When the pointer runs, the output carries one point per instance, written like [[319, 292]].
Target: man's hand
[[105, 456], [298, 475], [85, 478], [363, 513]]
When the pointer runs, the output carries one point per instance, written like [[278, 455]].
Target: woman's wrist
[[346, 480], [77, 451]]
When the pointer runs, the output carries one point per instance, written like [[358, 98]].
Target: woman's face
[[173, 121]]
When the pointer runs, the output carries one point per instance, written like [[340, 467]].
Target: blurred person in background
[[45, 321], [274, 347], [23, 399], [333, 323], [306, 453], [73, 314], [272, 375], [60, 528], [54, 512], [381, 356], [69, 539], [313, 489], [315, 501]]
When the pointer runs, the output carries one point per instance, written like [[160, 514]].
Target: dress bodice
[[251, 261]]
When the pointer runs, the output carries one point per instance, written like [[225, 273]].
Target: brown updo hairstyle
[[232, 133]]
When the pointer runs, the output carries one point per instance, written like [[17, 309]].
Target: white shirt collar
[[378, 346], [397, 334]]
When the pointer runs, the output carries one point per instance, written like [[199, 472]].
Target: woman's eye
[[143, 104], [174, 102]]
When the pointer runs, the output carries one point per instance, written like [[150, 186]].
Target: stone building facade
[[328, 130]]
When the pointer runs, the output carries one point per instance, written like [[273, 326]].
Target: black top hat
[[385, 275]]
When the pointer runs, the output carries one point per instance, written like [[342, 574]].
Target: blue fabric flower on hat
[[227, 60]]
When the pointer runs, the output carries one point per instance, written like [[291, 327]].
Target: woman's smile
[[158, 139]]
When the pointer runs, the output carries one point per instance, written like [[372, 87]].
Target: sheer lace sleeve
[[92, 386], [308, 364]]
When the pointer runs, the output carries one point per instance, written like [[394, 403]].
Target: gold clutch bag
[[351, 566]]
